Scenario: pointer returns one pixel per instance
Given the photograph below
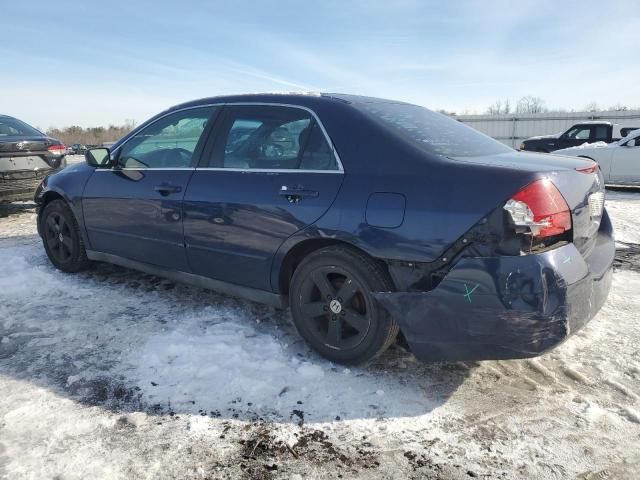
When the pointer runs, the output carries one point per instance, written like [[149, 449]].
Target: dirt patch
[[7, 209], [262, 455], [108, 393], [628, 257]]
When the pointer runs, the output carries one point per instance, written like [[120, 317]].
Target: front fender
[[67, 184]]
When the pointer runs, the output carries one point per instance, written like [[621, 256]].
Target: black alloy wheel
[[335, 305], [61, 237], [57, 234], [333, 308]]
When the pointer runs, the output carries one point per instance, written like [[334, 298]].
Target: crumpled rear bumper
[[506, 307]]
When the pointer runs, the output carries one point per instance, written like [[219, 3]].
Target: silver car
[[619, 161]]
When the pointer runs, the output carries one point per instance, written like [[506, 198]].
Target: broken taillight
[[539, 209]]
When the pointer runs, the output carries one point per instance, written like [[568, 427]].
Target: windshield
[[432, 132], [10, 127]]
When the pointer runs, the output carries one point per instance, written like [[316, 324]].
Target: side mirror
[[98, 157]]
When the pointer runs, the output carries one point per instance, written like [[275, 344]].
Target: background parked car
[[78, 149], [577, 135], [26, 155], [619, 161]]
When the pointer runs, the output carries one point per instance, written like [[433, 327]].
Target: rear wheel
[[333, 309], [61, 237]]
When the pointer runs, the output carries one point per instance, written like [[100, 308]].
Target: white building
[[513, 128]]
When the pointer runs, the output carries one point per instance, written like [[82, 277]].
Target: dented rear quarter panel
[[507, 306]]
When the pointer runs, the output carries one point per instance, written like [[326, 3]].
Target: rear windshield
[[10, 127], [432, 132]]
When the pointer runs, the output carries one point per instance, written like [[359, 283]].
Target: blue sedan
[[370, 218]]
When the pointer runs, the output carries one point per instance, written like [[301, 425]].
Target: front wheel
[[61, 237], [333, 309]]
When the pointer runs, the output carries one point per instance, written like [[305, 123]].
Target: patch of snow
[[624, 210], [115, 374], [206, 365], [592, 145]]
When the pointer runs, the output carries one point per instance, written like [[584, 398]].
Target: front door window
[[170, 142]]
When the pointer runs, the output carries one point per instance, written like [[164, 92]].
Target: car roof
[[594, 122], [294, 98]]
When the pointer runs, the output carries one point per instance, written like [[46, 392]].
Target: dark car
[[26, 156], [578, 134], [77, 149], [367, 217]]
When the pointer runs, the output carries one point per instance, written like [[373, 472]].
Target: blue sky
[[98, 62]]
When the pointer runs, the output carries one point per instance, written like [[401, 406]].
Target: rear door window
[[266, 137], [601, 133]]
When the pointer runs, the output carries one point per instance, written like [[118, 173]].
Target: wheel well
[[50, 197], [47, 198], [294, 256]]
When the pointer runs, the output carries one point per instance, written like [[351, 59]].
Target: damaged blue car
[[369, 218]]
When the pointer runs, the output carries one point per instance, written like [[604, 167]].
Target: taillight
[[589, 169], [539, 210], [57, 149]]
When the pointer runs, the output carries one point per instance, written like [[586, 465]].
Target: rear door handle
[[165, 189], [295, 194]]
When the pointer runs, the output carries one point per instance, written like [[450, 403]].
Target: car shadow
[[8, 209], [132, 342]]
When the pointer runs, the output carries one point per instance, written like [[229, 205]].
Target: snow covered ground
[[115, 374]]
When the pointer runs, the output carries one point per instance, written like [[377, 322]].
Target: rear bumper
[[22, 184], [506, 307]]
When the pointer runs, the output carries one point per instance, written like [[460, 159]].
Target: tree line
[[91, 135], [531, 104]]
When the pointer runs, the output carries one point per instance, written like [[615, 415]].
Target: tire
[[61, 237], [333, 309]]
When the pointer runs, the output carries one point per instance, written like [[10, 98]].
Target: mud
[[628, 257]]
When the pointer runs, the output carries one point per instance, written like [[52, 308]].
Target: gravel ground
[[115, 374]]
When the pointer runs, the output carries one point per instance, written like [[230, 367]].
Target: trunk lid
[[27, 153], [24, 146], [583, 192], [529, 161]]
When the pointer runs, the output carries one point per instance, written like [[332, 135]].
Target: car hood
[[543, 137]]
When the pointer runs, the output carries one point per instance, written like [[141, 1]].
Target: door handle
[[165, 189], [295, 194]]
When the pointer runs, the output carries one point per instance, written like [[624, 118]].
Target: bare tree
[[495, 108], [507, 107], [591, 107], [618, 107], [499, 107], [91, 135], [531, 104]]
